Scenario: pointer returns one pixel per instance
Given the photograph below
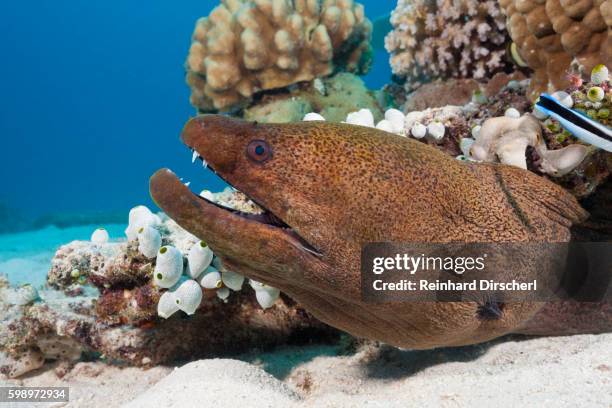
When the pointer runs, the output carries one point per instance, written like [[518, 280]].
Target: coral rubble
[[245, 46], [551, 34], [447, 39]]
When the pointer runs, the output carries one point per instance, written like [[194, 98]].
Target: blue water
[[93, 99], [25, 256]]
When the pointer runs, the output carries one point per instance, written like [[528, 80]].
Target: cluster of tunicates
[[183, 277]]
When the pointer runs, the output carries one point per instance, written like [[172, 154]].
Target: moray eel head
[[247, 155], [327, 189]]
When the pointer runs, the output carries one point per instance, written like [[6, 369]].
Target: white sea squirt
[[312, 116], [596, 94], [600, 74], [465, 145], [140, 216], [198, 259], [266, 298], [564, 98], [385, 125], [232, 280], [167, 305], [418, 130], [211, 279], [397, 120], [149, 241], [188, 296], [362, 117], [169, 267], [223, 293], [266, 295], [476, 131], [512, 113], [99, 236], [436, 130]]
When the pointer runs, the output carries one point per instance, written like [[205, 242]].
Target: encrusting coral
[[245, 46], [551, 34], [444, 39]]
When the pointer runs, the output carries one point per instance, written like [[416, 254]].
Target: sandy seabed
[[573, 371]]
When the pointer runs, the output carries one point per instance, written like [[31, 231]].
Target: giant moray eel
[[327, 189]]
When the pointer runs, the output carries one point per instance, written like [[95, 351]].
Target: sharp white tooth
[[188, 183], [204, 163], [194, 156]]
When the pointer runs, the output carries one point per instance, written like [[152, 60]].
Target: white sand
[[217, 383], [571, 371]]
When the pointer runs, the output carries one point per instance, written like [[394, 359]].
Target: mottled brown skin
[[341, 186]]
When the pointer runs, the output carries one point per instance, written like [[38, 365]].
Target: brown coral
[[246, 46], [551, 34], [444, 39]]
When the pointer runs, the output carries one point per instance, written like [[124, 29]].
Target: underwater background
[[93, 100]]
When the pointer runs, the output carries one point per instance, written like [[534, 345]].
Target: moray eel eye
[[259, 151]]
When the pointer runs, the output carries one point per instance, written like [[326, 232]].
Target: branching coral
[[246, 46], [444, 38], [551, 34]]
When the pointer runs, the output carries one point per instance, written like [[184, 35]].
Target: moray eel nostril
[[330, 188]]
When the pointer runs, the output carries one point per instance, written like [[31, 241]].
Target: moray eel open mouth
[[264, 215], [212, 221]]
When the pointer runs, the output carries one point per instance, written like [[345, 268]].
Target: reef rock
[[24, 344], [245, 46], [447, 39], [551, 34]]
